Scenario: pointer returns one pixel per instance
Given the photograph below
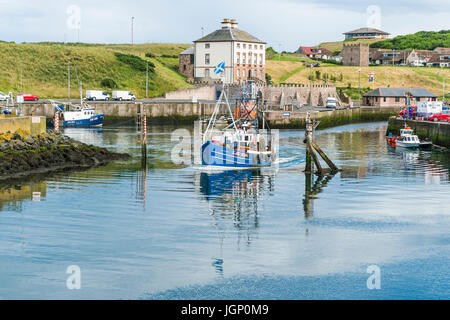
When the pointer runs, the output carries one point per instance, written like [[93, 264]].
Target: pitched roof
[[367, 30], [188, 51], [399, 92], [442, 50], [436, 58], [229, 35]]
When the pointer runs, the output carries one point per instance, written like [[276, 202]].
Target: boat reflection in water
[[232, 196]]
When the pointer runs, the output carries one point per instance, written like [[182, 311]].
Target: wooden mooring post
[[312, 147], [141, 129]]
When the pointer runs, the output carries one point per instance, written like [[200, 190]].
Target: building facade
[[186, 63], [355, 55], [396, 97], [230, 55], [366, 33], [315, 52]]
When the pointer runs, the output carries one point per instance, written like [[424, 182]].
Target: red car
[[29, 97], [443, 116]]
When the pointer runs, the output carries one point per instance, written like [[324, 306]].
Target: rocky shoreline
[[23, 154]]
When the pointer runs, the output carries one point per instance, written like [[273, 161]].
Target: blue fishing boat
[[82, 117], [240, 144]]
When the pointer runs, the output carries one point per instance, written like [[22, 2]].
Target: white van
[[3, 97], [123, 95], [331, 103], [97, 95]]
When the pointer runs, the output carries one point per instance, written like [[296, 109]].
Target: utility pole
[[132, 35], [202, 32], [21, 76], [68, 80], [146, 83], [359, 86], [310, 85]]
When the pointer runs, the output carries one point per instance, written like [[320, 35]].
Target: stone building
[[366, 33], [186, 63], [229, 55], [396, 97], [355, 55]]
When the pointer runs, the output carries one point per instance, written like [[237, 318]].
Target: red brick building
[[396, 97]]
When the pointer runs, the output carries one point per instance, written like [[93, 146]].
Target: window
[[254, 73], [397, 99], [255, 58], [260, 75], [243, 58], [207, 58], [184, 67], [384, 99], [261, 47], [249, 58], [260, 59], [238, 45], [417, 99], [207, 73], [249, 46], [243, 74], [207, 46], [244, 45]]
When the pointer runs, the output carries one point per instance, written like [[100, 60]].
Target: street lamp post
[[132, 21], [359, 86]]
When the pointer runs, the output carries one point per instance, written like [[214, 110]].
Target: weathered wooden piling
[[311, 147]]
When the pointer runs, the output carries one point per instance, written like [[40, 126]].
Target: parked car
[[3, 97], [97, 95], [123, 95], [29, 97], [443, 116], [331, 103]]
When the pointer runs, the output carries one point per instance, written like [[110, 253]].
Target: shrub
[[150, 55], [169, 56], [135, 62], [109, 83]]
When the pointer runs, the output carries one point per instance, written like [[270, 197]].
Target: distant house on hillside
[[366, 33], [439, 60], [442, 50], [315, 52], [396, 97]]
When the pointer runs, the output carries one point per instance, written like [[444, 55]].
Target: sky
[[283, 24]]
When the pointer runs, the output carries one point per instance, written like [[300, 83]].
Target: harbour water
[[177, 232]]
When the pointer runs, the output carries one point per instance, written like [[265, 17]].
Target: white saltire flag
[[371, 76]]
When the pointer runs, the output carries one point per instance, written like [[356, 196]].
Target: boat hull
[[223, 156], [94, 121]]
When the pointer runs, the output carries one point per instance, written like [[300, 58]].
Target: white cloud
[[289, 23]]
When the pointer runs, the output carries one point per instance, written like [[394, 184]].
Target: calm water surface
[[174, 232]]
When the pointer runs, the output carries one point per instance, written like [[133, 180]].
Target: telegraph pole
[[68, 80], [359, 86], [132, 21], [146, 83]]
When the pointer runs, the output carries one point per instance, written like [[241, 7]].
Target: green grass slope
[[44, 68]]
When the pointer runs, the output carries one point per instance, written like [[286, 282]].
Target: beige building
[[230, 55]]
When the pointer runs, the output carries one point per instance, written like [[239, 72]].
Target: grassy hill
[[423, 40], [291, 70], [44, 68]]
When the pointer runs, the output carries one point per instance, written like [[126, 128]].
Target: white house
[[229, 54]]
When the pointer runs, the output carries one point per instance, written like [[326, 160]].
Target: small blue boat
[[80, 116], [85, 117]]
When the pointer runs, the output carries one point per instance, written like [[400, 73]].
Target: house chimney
[[226, 24], [234, 24]]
